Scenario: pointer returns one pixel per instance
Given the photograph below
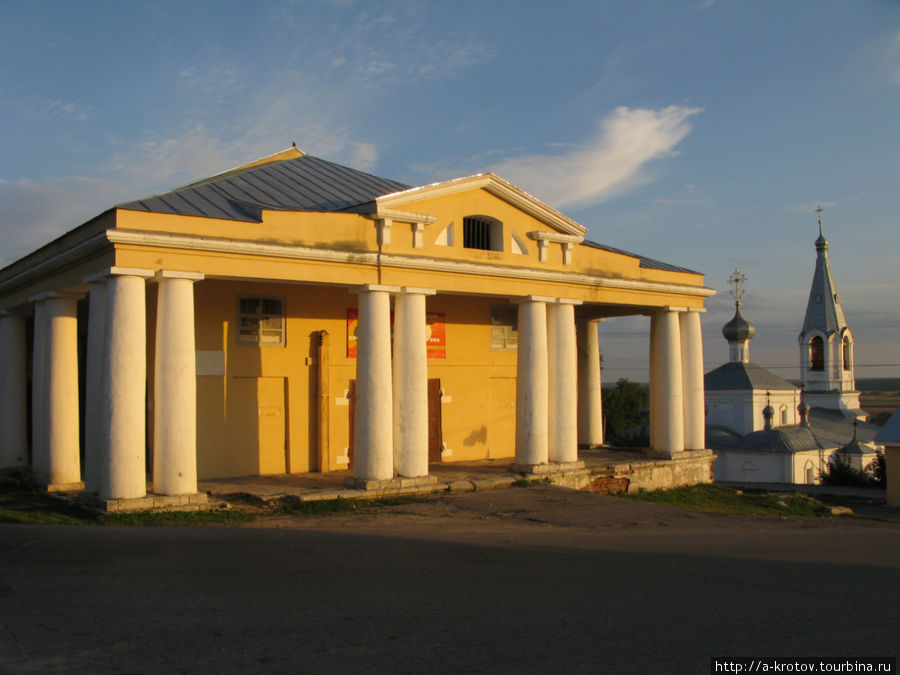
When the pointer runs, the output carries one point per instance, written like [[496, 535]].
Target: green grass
[[22, 503], [729, 501], [341, 505]]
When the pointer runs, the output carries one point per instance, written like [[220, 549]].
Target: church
[[294, 315], [765, 429]]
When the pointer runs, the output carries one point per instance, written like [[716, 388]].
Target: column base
[[390, 484], [548, 468], [192, 502], [64, 487]]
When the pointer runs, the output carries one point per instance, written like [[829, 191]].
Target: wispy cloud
[[35, 213], [612, 162], [58, 109]]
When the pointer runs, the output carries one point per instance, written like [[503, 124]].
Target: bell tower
[[826, 342]]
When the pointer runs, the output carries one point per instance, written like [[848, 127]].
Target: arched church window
[[784, 416], [816, 354], [847, 354]]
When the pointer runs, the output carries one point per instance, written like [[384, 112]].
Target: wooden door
[[435, 428], [351, 394]]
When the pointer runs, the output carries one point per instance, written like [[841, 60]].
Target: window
[[847, 354], [504, 329], [260, 321], [784, 419], [816, 354], [483, 233]]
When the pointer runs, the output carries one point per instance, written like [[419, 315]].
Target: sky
[[703, 133]]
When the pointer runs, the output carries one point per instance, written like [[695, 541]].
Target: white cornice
[[404, 216], [243, 247], [496, 186], [539, 235]]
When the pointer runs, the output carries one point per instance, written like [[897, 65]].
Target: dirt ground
[[518, 580]]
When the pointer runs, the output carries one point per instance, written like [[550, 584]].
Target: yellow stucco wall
[[478, 409]]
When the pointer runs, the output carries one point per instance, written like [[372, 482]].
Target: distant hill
[[873, 383], [878, 383]]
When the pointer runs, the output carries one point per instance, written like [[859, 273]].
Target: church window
[[504, 328], [483, 233], [816, 354], [260, 321], [846, 353], [784, 419]]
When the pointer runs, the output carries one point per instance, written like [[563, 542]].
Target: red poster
[[435, 332]]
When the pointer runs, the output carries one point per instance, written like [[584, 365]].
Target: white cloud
[[364, 157], [35, 213], [610, 163]]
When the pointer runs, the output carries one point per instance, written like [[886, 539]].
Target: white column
[[532, 383], [563, 382], [93, 428], [13, 388], [175, 386], [666, 390], [60, 393], [692, 380], [590, 392], [373, 430], [122, 471], [38, 413], [410, 383]]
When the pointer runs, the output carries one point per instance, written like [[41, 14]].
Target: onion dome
[[738, 329], [803, 409]]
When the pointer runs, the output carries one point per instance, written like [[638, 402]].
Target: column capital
[[117, 271], [412, 290], [161, 275], [532, 298], [374, 288], [697, 309], [673, 308], [569, 301]]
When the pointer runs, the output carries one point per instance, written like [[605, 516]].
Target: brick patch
[[607, 485]]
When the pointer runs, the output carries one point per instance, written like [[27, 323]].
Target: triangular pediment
[[494, 185]]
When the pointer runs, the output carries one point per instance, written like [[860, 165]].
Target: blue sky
[[699, 132]]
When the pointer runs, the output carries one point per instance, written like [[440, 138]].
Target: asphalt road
[[521, 580]]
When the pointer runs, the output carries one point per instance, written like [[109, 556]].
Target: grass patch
[[341, 505], [528, 482], [23, 504], [173, 518], [729, 501]]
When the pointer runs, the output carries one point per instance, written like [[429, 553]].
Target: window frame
[[489, 236], [241, 328], [505, 331], [817, 353]]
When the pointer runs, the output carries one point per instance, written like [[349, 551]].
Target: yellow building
[[334, 320]]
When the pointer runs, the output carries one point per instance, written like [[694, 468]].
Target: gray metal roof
[[828, 429], [303, 183], [648, 263], [737, 375], [300, 184], [823, 310]]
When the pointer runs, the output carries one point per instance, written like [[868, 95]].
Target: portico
[[461, 323]]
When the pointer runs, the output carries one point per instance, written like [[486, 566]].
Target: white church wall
[[751, 467]]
